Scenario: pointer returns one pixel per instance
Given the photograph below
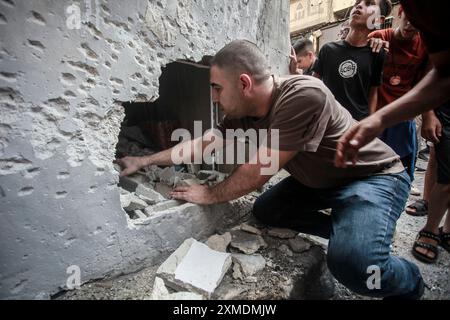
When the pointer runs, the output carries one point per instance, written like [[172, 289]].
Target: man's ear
[[245, 83]]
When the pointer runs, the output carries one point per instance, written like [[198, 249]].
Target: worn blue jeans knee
[[360, 228]]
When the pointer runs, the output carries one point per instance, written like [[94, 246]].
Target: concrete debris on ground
[[246, 242], [195, 267], [131, 202], [219, 242], [248, 228], [160, 292], [149, 190], [282, 233], [248, 265], [298, 244]]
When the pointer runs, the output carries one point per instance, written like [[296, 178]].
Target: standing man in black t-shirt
[[348, 67]]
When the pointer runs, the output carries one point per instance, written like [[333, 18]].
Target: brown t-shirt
[[311, 121]]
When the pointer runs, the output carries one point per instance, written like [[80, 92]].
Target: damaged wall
[[60, 94]]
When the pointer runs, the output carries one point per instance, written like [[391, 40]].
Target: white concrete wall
[[60, 117]]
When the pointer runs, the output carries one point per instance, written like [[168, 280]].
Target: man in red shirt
[[429, 93], [405, 66]]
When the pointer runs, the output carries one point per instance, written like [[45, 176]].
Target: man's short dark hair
[[302, 46], [243, 56]]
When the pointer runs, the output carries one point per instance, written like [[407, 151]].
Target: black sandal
[[420, 208], [431, 247], [445, 237]]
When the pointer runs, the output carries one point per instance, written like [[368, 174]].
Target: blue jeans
[[360, 228]]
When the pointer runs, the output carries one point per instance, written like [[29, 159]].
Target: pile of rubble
[[245, 263], [148, 192]]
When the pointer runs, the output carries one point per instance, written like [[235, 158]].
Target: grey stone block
[[298, 244], [282, 233], [162, 206], [249, 265], [160, 292], [246, 242], [219, 242], [195, 267], [131, 202], [149, 194]]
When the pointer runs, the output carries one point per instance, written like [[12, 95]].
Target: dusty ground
[[139, 285]]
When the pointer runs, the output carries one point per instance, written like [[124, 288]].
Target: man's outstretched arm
[[166, 157], [245, 179], [428, 94]]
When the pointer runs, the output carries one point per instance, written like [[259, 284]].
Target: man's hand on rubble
[[198, 194], [130, 165]]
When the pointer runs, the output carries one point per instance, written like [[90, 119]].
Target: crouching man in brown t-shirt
[[366, 198]]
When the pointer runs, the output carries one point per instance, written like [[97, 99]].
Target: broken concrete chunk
[[195, 267], [117, 167], [123, 191], [160, 292], [206, 175], [163, 189], [139, 214], [161, 206], [251, 279], [249, 264], [228, 291], [186, 182], [282, 233], [131, 202], [125, 200], [167, 176], [152, 172], [130, 183], [211, 175], [285, 249], [219, 242], [246, 242], [248, 228], [237, 272], [298, 244], [149, 194]]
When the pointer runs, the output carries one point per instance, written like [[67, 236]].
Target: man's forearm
[[163, 158], [245, 179], [185, 151], [428, 94]]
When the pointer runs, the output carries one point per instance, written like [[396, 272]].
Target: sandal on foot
[[445, 239], [418, 208], [431, 247]]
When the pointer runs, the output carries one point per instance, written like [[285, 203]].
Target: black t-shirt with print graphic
[[349, 72]]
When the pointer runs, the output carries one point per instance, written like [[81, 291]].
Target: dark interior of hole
[[184, 97]]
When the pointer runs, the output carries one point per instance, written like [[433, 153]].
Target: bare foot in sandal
[[425, 247], [417, 208]]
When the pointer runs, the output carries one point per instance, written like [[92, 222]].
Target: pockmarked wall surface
[[66, 67]]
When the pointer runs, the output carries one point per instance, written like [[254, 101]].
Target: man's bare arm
[[245, 179], [165, 158]]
